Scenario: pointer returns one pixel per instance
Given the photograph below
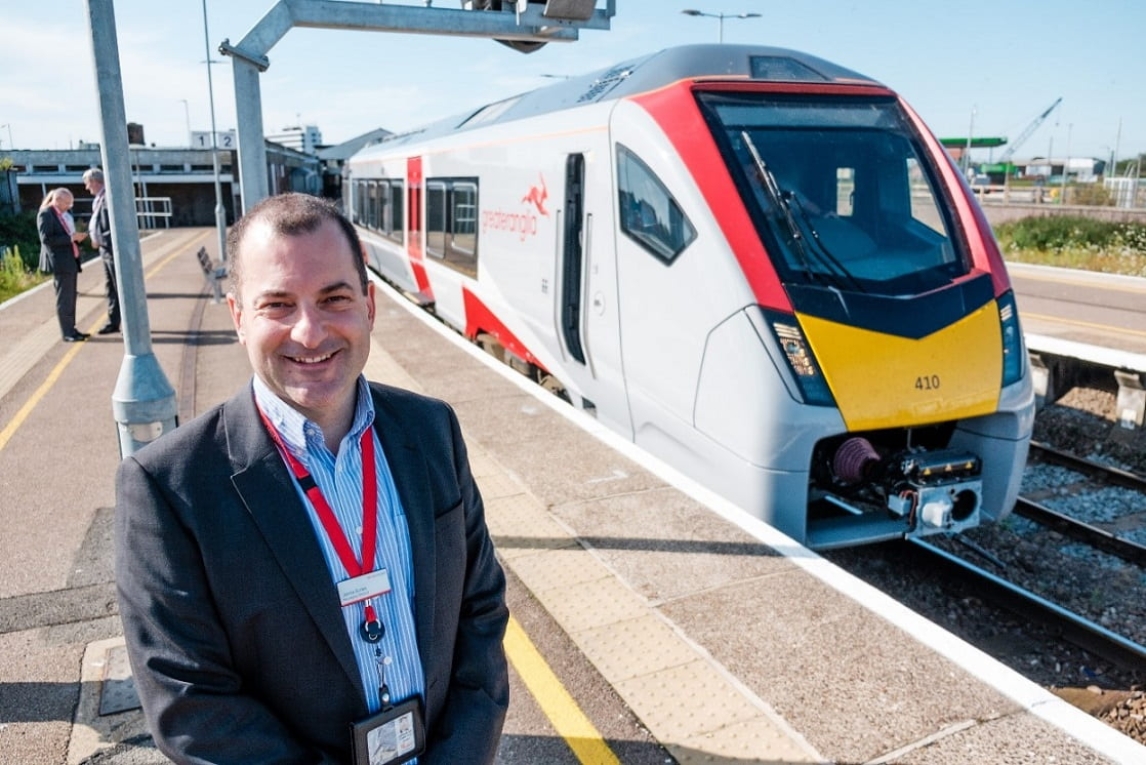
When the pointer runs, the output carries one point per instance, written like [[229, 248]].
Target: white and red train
[[760, 267]]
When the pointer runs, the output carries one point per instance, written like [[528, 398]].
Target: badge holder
[[393, 736]]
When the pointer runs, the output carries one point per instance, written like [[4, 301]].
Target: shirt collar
[[301, 434]]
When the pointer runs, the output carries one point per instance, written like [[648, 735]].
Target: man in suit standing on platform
[[99, 228], [304, 572]]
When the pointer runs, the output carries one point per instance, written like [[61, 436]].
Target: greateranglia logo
[[537, 196], [523, 223]]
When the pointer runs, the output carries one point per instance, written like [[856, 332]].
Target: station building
[[175, 186]]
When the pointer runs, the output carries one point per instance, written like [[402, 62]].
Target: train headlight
[[1012, 340], [801, 360]]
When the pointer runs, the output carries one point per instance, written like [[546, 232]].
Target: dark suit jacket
[[56, 253], [100, 225], [233, 626]]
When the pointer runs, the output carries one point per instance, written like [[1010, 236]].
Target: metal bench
[[215, 275]]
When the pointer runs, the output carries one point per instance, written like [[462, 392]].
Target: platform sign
[[201, 139]]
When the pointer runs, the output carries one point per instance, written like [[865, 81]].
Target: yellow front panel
[[884, 381]]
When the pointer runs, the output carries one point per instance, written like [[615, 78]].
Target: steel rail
[[1075, 628]]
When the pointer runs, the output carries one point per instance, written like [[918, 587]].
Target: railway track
[[1054, 592], [1083, 632]]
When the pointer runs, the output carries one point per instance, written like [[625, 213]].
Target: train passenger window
[[436, 219], [396, 224], [360, 203], [375, 218], [649, 215], [451, 222]]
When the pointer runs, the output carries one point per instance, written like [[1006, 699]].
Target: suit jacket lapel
[[264, 483], [409, 470]]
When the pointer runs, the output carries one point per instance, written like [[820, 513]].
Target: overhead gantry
[[522, 24]]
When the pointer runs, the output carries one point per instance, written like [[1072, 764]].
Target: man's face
[[93, 186], [63, 201], [302, 316]]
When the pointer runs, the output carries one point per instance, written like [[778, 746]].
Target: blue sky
[[985, 66]]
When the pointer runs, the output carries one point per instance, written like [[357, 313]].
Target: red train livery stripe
[[981, 243], [479, 318], [675, 110], [414, 184]]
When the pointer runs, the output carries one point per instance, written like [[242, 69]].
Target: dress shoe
[[77, 337], [108, 329]]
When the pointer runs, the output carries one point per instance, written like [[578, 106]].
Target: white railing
[[150, 210]]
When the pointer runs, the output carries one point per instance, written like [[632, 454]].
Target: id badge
[[363, 587], [393, 736]]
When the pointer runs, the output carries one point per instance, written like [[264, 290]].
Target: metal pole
[[143, 402], [1066, 164], [967, 153], [721, 16], [187, 114], [220, 211]]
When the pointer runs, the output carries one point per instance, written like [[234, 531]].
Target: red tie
[[75, 247]]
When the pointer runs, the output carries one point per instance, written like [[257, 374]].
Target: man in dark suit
[[99, 228], [60, 255], [313, 553]]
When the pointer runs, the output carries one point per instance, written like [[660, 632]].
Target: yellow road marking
[[561, 709]]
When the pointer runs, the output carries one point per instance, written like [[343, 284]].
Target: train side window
[[649, 215], [461, 245], [436, 218], [396, 225], [451, 222], [360, 203]]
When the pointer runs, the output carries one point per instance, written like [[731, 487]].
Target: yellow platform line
[[18, 420], [566, 717], [1079, 323]]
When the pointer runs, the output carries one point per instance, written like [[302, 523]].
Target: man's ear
[[236, 308]]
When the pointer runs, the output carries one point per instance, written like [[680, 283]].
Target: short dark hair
[[290, 215]]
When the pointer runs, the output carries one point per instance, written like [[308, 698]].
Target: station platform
[[725, 641]]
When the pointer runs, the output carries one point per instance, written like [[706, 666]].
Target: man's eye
[[274, 305]]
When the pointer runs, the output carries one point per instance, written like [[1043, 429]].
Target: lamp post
[[12, 146], [187, 114], [721, 17], [220, 212]]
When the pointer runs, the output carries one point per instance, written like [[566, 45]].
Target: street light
[[12, 146], [721, 16], [220, 212], [187, 114]]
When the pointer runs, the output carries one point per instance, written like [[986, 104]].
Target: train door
[[587, 307], [674, 278]]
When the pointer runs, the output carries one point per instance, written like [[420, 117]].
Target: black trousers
[[65, 284], [113, 314]]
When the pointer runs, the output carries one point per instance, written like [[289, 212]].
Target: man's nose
[[309, 329]]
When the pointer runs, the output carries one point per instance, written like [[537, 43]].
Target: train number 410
[[927, 382]]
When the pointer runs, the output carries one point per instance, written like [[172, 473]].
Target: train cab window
[[649, 215], [842, 191], [451, 222]]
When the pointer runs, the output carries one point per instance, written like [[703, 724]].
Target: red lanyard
[[333, 529]]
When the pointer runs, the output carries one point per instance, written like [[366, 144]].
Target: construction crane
[[1023, 136]]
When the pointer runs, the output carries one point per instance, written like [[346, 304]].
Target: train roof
[[643, 74]]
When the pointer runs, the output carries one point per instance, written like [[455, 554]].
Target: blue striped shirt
[[339, 477]]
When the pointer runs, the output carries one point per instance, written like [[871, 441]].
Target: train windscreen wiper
[[823, 252], [778, 202]]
